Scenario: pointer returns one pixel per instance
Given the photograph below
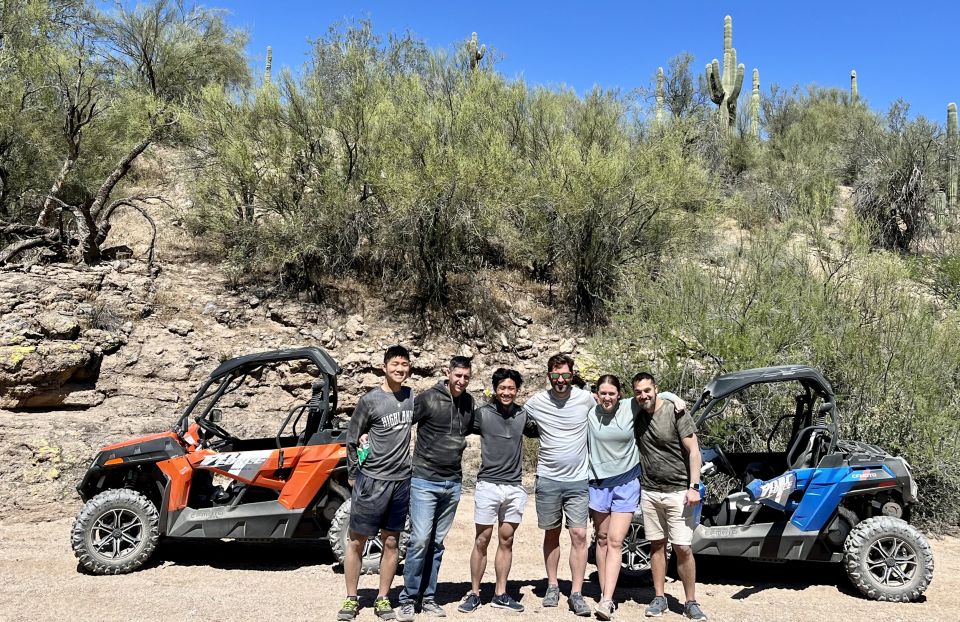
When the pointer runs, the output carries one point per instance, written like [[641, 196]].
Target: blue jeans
[[432, 508]]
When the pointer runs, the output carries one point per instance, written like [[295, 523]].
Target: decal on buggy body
[[774, 492], [243, 464]]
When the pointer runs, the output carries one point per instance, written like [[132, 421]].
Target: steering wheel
[[212, 429], [725, 463]]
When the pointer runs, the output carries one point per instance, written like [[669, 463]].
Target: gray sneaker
[[552, 597], [693, 611], [431, 608], [577, 605], [656, 607], [406, 612], [605, 609]]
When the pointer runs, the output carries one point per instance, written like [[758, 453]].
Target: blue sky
[[898, 49]]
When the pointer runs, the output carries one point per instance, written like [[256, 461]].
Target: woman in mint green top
[[614, 485], [614, 471]]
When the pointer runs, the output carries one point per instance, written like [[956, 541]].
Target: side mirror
[[215, 416]]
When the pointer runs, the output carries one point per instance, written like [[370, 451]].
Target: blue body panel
[[823, 489]]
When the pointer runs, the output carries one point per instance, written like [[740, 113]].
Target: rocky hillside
[[94, 355]]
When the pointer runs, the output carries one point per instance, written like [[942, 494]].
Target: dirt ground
[[39, 580]]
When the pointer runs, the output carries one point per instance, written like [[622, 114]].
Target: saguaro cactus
[[725, 87], [266, 71], [473, 52], [755, 105], [853, 86], [952, 157], [660, 96]]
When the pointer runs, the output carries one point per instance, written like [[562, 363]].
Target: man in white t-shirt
[[562, 494]]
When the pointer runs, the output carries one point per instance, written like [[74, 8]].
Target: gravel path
[[39, 580]]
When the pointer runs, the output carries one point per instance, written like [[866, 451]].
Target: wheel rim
[[635, 553], [892, 561], [116, 534], [373, 549]]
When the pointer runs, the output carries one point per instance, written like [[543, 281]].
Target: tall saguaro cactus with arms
[[725, 87], [475, 52]]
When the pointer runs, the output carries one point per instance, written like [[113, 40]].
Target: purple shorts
[[622, 498]]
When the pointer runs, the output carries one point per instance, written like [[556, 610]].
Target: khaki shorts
[[665, 517]]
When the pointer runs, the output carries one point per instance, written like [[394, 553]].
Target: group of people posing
[[601, 457]]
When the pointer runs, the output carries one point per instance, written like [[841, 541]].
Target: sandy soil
[[39, 580]]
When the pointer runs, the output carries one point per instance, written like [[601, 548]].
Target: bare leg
[[551, 554], [578, 557], [478, 556], [351, 562], [658, 565], [610, 570], [388, 561], [601, 522], [687, 569], [504, 557]]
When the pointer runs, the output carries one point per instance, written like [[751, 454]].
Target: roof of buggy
[[318, 356], [724, 385]]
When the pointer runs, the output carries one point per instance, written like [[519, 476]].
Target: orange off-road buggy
[[201, 481]]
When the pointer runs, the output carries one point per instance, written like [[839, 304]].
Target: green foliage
[[776, 300]]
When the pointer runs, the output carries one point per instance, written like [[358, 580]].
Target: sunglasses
[[565, 375]]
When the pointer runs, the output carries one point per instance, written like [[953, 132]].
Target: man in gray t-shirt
[[381, 484], [562, 490]]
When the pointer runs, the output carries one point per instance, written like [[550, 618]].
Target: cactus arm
[[734, 91], [713, 80]]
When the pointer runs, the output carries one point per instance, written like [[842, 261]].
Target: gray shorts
[[498, 502], [562, 500]]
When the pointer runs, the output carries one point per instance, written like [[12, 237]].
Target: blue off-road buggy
[[786, 487]]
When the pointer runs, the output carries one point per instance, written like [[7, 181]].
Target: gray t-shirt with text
[[386, 417]]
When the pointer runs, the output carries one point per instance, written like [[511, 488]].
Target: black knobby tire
[[115, 532], [340, 531], [888, 559]]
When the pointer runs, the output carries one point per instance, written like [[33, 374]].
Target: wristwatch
[[694, 486]]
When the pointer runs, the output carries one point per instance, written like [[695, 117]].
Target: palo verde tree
[[120, 82]]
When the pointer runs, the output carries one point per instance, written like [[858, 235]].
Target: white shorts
[[665, 517], [498, 502]]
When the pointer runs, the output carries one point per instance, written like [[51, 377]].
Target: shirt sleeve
[[475, 421], [359, 424], [685, 425], [530, 427]]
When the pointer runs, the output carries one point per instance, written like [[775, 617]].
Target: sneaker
[[431, 608], [656, 607], [505, 601], [577, 605], [470, 603], [349, 610], [693, 611], [406, 612], [384, 610], [552, 597], [605, 609]]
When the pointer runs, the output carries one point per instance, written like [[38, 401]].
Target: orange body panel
[[314, 467], [311, 467]]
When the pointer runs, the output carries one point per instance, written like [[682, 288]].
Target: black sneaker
[[384, 610], [470, 604], [505, 601], [349, 610]]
